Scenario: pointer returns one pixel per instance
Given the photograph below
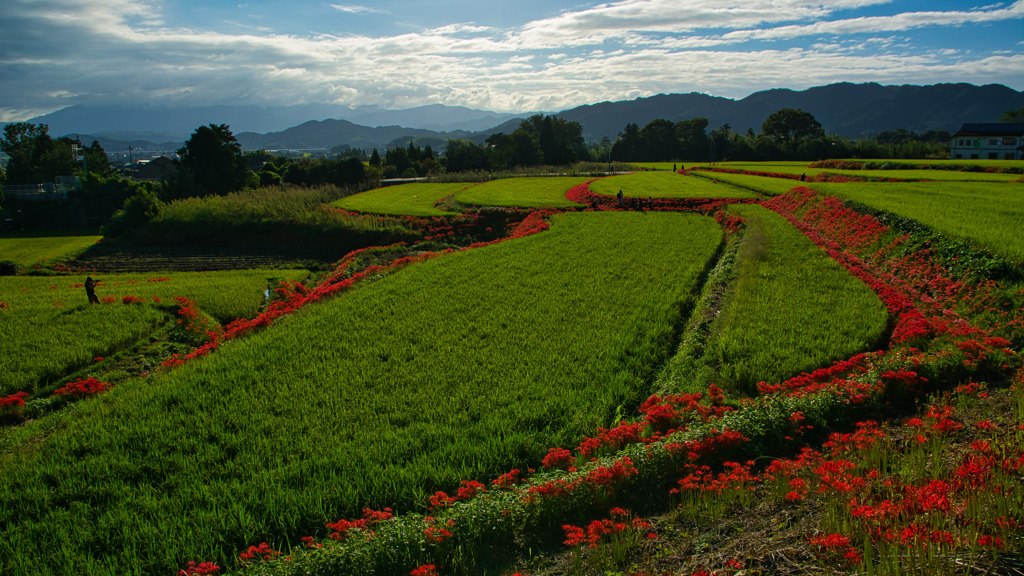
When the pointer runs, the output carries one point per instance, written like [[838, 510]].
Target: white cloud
[[356, 9], [120, 50]]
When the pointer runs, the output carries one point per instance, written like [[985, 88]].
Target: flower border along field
[[950, 330]]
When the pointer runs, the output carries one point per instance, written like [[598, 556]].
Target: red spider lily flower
[[436, 534], [990, 542], [82, 388], [261, 552], [558, 458], [425, 570], [506, 481], [199, 569]]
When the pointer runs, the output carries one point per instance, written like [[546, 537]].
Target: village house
[[159, 168], [1004, 141]]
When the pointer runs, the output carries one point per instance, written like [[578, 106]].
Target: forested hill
[[856, 110], [846, 109]]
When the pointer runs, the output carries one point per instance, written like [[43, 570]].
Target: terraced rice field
[[508, 375], [415, 199]]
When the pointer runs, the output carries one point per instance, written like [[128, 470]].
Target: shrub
[[8, 268]]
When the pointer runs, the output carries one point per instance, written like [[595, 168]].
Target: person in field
[[90, 290], [619, 196]]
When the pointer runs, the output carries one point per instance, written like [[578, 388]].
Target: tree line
[[212, 161]]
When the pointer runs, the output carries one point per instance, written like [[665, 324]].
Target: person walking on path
[[90, 290]]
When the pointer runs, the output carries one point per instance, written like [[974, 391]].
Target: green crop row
[[54, 331], [793, 309], [547, 192], [666, 185], [456, 368], [415, 199], [775, 306], [987, 213]]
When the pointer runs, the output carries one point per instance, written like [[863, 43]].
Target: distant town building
[[158, 168], [1003, 141]]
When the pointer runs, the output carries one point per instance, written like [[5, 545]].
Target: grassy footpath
[[459, 367]]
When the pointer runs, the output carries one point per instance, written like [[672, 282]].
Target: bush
[[8, 268], [137, 210]]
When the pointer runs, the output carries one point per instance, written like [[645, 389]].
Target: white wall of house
[[987, 147]]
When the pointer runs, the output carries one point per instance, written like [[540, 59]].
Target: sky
[[509, 56]]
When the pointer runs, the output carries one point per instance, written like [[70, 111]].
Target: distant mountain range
[[855, 110]]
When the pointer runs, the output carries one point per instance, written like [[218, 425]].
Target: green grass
[[792, 309], [665, 185], [547, 192], [57, 332], [456, 368], [416, 199], [987, 213], [26, 250], [278, 217]]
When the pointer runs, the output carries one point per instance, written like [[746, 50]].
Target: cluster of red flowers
[[619, 521], [468, 490], [600, 479], [664, 414], [341, 528], [13, 404], [199, 569], [131, 300], [425, 570], [702, 479], [436, 533], [261, 552], [82, 388], [837, 544]]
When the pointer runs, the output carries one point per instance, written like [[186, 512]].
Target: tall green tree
[[212, 162], [788, 128], [658, 142], [693, 138], [35, 157], [627, 146], [464, 155]]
